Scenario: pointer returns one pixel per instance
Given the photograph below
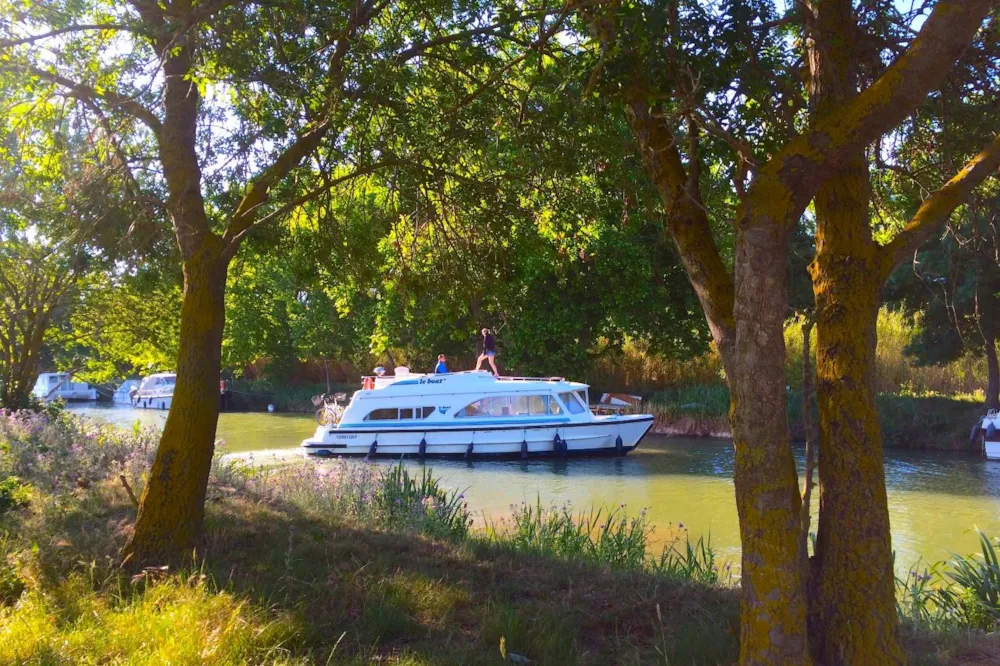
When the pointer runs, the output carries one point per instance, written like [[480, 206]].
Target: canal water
[[936, 499]]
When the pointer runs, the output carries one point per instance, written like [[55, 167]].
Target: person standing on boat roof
[[441, 368], [489, 351]]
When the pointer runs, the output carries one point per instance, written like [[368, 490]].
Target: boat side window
[[572, 402], [498, 406], [169, 381], [406, 413], [427, 412], [529, 405], [582, 395], [383, 415]]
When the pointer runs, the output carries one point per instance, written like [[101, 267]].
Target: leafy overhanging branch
[[937, 208]]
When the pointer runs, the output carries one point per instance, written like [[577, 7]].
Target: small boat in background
[[60, 386], [473, 414], [156, 391], [124, 394], [617, 403], [988, 432]]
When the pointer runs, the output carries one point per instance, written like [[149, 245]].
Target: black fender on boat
[[373, 449], [524, 448], [423, 448]]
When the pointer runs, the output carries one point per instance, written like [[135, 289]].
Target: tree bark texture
[[854, 566], [773, 605], [171, 512]]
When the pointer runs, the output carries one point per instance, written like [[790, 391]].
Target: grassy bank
[[920, 422], [354, 564]]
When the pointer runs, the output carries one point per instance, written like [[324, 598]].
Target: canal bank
[[936, 498], [908, 422]]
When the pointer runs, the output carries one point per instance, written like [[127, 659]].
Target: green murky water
[[936, 500]]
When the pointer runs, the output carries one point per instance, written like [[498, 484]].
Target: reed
[[602, 536]]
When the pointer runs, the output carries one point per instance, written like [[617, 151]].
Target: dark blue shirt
[[440, 368]]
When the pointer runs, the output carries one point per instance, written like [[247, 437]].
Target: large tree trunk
[[854, 604], [773, 606], [171, 513], [852, 611]]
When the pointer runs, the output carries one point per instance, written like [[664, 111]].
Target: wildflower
[[680, 526]]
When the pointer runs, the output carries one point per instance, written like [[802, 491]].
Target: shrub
[[13, 494]]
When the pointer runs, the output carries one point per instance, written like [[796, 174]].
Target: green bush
[[13, 493]]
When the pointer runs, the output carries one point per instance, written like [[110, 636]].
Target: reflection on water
[[935, 499]]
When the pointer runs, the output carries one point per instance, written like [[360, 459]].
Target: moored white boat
[[475, 414], [123, 395], [988, 433], [156, 391], [60, 386]]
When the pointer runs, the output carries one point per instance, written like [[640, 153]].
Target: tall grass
[[895, 372], [638, 369], [604, 537], [961, 592]]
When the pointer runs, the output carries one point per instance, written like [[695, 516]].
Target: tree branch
[[86, 93], [686, 220], [786, 183], [288, 207], [31, 39], [259, 192], [938, 207]]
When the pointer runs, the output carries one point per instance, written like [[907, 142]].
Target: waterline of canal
[[936, 499]]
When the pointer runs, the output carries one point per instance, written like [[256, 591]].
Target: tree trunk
[[986, 306], [993, 376], [854, 605], [773, 606], [171, 513]]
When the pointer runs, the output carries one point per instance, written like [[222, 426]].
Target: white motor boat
[[123, 394], [474, 414], [60, 386], [156, 391], [988, 433]]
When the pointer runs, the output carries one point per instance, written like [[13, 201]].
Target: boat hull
[[153, 402], [574, 439]]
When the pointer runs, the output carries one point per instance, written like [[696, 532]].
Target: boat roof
[[161, 374], [471, 381]]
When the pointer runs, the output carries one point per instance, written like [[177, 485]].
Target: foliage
[[62, 453], [181, 620], [602, 536], [973, 596], [389, 498], [13, 493]]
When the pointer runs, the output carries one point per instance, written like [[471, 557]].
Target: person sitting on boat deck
[[379, 371], [489, 351], [442, 367]]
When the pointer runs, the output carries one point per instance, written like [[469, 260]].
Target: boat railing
[[530, 379]]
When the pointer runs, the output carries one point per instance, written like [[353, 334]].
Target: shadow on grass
[[385, 594], [280, 586]]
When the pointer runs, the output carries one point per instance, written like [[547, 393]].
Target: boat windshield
[[572, 402]]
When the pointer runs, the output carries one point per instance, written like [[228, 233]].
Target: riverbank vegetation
[[350, 563]]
